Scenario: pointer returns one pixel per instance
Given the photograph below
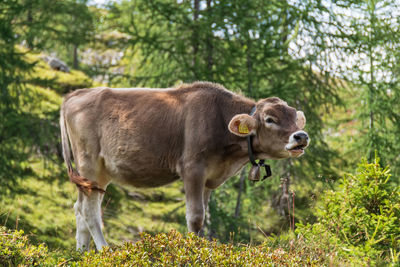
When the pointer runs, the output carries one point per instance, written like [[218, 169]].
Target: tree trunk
[[249, 64], [371, 93], [210, 60], [76, 62], [195, 36], [241, 186], [284, 199], [29, 40]]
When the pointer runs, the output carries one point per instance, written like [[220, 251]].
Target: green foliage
[[229, 223], [169, 249], [361, 39], [361, 217], [15, 250], [47, 25], [173, 249], [29, 121], [41, 205], [60, 82]]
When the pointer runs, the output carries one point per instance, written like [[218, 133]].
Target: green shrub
[[172, 249], [15, 249], [361, 218]]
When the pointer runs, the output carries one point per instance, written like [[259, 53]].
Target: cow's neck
[[238, 145], [237, 105], [242, 148], [257, 151]]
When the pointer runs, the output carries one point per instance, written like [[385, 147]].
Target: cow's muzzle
[[298, 141]]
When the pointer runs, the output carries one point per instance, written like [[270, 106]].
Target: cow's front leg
[[194, 188]]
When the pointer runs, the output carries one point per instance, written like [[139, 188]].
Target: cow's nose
[[301, 137]]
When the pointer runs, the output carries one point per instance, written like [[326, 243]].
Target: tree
[[22, 131], [359, 40], [57, 26], [11, 68]]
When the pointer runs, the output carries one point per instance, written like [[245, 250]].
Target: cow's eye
[[270, 120]]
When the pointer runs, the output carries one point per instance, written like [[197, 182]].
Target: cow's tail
[[81, 182]]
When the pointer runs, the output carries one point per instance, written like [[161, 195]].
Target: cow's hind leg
[[82, 231], [91, 215]]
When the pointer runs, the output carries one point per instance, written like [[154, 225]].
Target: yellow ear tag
[[243, 129]]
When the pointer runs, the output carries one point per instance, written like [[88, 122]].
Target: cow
[[151, 137]]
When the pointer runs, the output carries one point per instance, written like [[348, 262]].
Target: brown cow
[[152, 137]]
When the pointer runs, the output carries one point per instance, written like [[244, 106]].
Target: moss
[[62, 82]]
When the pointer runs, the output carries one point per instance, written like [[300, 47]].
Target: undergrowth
[[166, 249], [361, 218]]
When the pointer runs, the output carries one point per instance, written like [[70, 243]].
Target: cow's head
[[277, 129]]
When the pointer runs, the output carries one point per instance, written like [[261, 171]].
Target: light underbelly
[[150, 181]]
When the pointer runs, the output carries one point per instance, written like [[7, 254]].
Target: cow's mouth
[[298, 141], [299, 147], [296, 150]]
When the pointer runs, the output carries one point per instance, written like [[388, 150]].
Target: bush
[[360, 218], [15, 249], [173, 249]]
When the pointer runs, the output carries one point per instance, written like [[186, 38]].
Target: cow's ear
[[243, 125], [301, 120]]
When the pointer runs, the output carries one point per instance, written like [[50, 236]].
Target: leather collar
[[252, 158]]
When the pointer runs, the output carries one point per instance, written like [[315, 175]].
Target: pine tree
[[359, 41], [26, 26]]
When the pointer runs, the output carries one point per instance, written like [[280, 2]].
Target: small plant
[[362, 217], [15, 249]]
